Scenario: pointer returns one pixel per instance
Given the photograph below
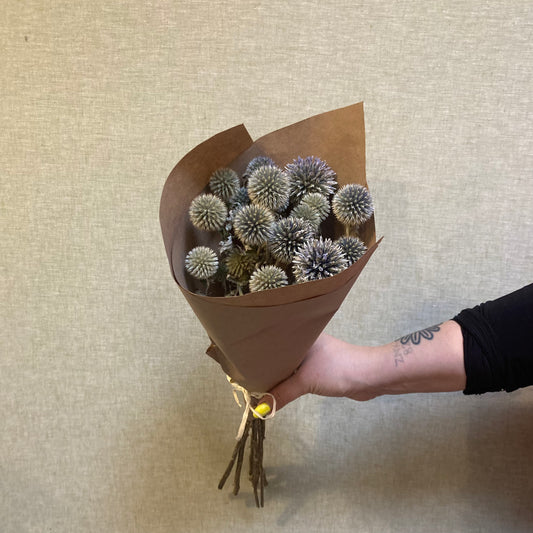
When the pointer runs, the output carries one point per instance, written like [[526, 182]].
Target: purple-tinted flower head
[[310, 175], [318, 259], [352, 247]]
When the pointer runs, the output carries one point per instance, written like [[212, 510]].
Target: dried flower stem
[[256, 474], [236, 452], [240, 458]]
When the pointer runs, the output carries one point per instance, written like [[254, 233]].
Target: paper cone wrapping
[[261, 338]]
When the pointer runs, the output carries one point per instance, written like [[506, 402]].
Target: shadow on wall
[[446, 462], [451, 463], [500, 460], [170, 481]]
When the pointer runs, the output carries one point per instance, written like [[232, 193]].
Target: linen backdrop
[[111, 417]]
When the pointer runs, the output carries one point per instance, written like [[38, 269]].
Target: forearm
[[492, 344], [430, 360]]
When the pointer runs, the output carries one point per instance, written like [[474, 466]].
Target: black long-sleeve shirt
[[498, 343]]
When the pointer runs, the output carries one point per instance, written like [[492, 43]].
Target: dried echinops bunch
[[208, 212], [352, 205], [317, 259], [268, 277], [310, 175], [274, 220]]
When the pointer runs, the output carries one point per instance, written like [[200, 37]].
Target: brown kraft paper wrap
[[259, 339]]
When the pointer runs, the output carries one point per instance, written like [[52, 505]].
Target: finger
[[287, 391]]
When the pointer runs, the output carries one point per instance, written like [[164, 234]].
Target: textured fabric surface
[[112, 419]]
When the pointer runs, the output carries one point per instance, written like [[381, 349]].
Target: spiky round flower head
[[239, 199], [307, 213], [241, 263], [352, 247], [352, 205], [267, 277], [318, 203], [201, 262], [269, 186], [208, 212], [288, 234], [317, 259], [310, 175], [253, 224], [257, 162], [224, 183]]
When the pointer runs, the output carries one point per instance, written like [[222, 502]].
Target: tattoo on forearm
[[403, 346], [417, 336], [399, 352]]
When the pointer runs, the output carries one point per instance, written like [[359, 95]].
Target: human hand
[[331, 368]]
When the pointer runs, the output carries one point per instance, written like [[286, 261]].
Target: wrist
[[383, 377], [369, 376]]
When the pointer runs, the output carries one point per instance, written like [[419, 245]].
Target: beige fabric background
[[112, 419]]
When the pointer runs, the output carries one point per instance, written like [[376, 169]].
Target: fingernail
[[263, 409]]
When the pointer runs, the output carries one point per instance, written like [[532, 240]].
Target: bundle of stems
[[256, 472]]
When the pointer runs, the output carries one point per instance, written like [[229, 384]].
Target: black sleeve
[[498, 343]]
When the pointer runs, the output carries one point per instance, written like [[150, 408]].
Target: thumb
[[288, 390]]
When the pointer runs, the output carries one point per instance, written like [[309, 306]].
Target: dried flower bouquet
[[269, 221], [285, 236]]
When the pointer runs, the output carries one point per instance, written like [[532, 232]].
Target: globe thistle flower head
[[269, 186], [318, 203], [253, 224], [288, 234], [239, 199], [208, 212], [307, 213], [352, 247], [352, 205], [256, 162], [318, 259], [201, 262], [310, 175], [241, 263], [267, 277], [224, 183]]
